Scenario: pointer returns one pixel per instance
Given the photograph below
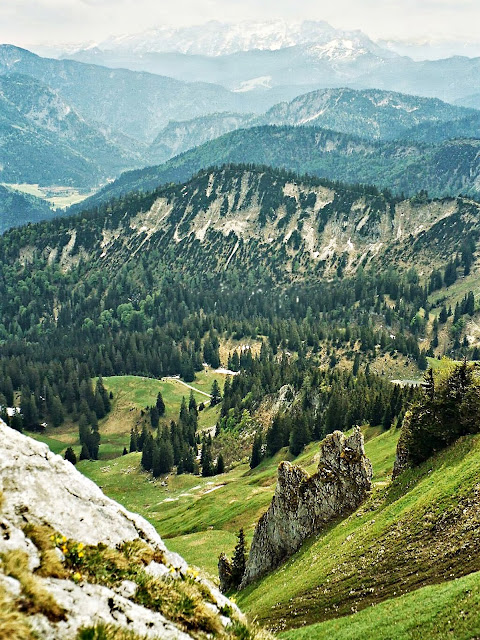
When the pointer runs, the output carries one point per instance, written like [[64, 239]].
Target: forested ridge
[[133, 288]]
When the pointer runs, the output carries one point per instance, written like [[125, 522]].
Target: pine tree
[[70, 455], [256, 456], [299, 436], [133, 440], [220, 465], [207, 463], [84, 453], [160, 404], [215, 394], [154, 418], [239, 560], [147, 453]]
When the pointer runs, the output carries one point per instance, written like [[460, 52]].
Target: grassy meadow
[[131, 394]]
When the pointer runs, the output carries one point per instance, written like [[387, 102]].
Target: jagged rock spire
[[303, 504]]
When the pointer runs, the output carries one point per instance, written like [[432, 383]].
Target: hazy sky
[[26, 22]]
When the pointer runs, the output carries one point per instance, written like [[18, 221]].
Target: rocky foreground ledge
[[45, 502]]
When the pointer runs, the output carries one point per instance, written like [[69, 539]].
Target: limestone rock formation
[[303, 504], [40, 489]]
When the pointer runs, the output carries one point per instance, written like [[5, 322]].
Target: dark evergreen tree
[[256, 456], [220, 465], [70, 455], [239, 560], [215, 394], [160, 404]]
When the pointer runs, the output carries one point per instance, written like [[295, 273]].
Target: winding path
[[189, 386]]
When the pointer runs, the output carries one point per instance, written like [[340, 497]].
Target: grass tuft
[[36, 599], [13, 624]]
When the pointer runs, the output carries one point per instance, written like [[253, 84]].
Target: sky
[[26, 22]]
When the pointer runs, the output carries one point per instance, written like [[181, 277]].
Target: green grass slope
[[131, 394], [423, 529], [442, 611], [201, 516]]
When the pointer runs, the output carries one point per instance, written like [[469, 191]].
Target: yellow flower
[[77, 576], [64, 539], [64, 548], [80, 554], [80, 546]]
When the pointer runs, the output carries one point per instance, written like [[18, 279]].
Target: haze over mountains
[[140, 100]]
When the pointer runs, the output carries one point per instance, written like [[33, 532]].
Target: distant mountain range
[[216, 38], [448, 168], [266, 55], [138, 105], [45, 141], [64, 122]]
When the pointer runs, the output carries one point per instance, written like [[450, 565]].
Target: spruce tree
[[220, 465], [147, 453], [160, 404], [207, 464], [215, 394], [70, 455], [84, 453], [256, 456], [239, 560]]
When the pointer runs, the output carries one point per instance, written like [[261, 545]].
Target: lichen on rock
[[303, 504], [112, 567]]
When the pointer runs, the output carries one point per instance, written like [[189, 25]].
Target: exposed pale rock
[[127, 588], [39, 487], [157, 570], [12, 538], [10, 585], [42, 488], [88, 604], [303, 504]]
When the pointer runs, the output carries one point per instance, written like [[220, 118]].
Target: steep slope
[[136, 104], [369, 114], [46, 142], [71, 558], [224, 218], [403, 167], [19, 208], [178, 137], [420, 530]]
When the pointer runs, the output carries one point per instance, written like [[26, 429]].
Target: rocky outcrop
[[40, 490], [303, 504], [225, 573]]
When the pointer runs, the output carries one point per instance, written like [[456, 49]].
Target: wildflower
[[77, 576]]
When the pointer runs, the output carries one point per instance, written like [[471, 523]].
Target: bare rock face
[[303, 504], [225, 573], [38, 487]]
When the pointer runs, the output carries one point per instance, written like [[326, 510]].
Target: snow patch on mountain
[[217, 39], [262, 82]]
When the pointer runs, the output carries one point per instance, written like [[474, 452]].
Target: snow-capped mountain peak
[[217, 39]]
